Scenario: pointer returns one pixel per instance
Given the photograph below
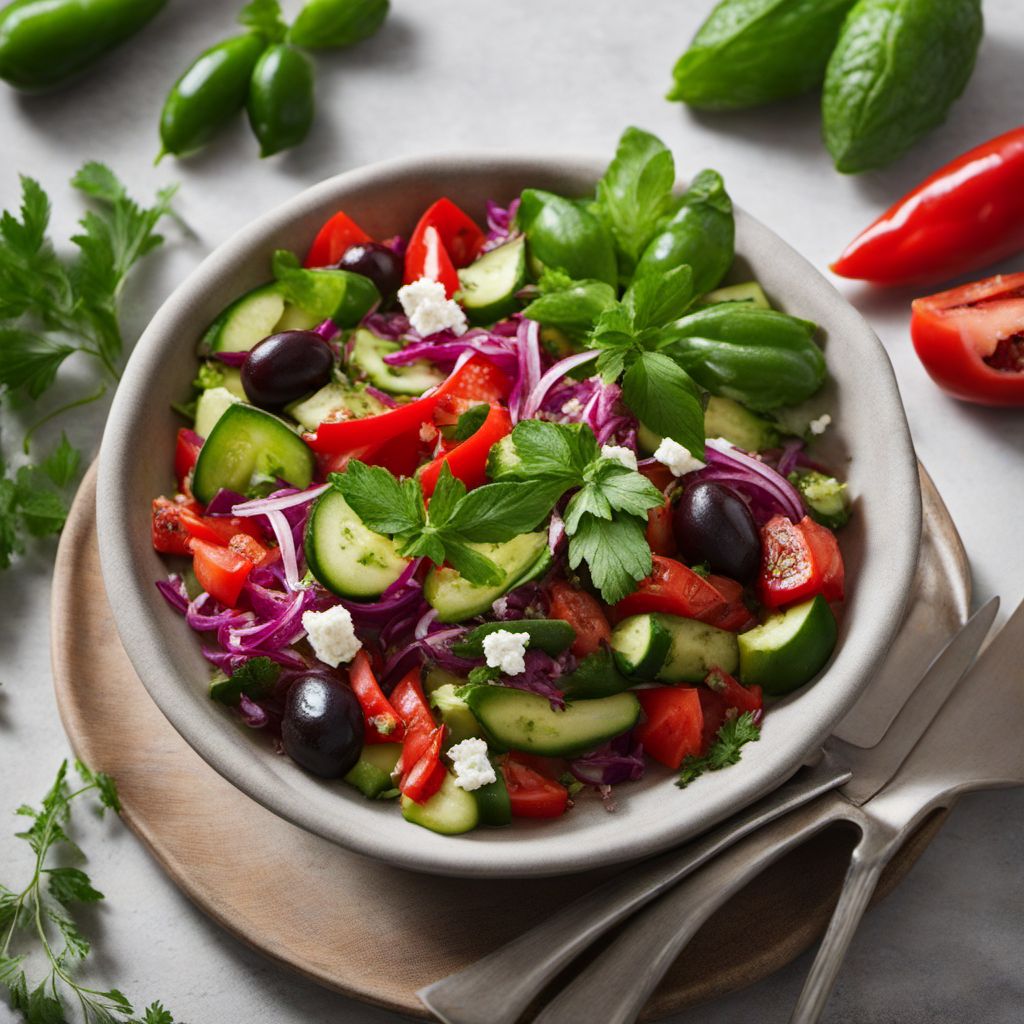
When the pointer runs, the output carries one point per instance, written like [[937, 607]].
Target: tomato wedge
[[673, 724], [673, 589], [381, 723], [660, 536], [736, 617], [531, 794], [584, 613], [220, 571], [167, 532], [798, 561], [468, 459], [427, 257], [337, 234], [459, 235], [186, 453], [971, 339]]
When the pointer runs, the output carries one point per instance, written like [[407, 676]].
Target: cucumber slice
[[824, 497], [549, 635], [246, 322], [725, 417], [294, 318], [750, 292], [597, 675], [641, 644], [450, 811], [788, 649], [489, 285], [517, 720], [347, 557], [493, 801], [436, 677], [367, 356], [455, 713], [694, 649], [248, 444], [372, 772], [210, 406], [334, 401], [456, 599]]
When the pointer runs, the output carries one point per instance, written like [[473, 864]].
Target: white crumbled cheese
[[820, 425], [507, 651], [620, 454], [472, 767], [332, 635], [384, 724], [572, 408], [677, 457], [428, 308], [428, 432]]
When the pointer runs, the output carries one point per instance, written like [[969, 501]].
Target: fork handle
[[616, 984]]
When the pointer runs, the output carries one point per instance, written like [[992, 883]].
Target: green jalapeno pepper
[[280, 101], [323, 23], [45, 42]]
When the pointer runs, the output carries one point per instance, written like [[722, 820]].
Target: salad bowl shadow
[[870, 441]]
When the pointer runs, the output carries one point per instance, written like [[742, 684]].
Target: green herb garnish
[[725, 751]]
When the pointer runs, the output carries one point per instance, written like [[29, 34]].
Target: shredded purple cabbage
[[619, 760], [540, 676], [233, 359], [391, 326], [499, 223], [530, 369]]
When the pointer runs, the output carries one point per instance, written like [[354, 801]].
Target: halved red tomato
[[186, 453], [673, 589], [218, 529], [798, 561], [673, 723], [584, 613]]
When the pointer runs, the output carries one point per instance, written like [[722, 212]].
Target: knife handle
[[616, 984], [499, 987]]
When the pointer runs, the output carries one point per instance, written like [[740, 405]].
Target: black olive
[[712, 524], [286, 366], [322, 728]]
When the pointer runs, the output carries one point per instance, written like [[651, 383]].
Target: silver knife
[[499, 987]]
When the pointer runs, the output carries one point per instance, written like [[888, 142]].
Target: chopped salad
[[498, 516]]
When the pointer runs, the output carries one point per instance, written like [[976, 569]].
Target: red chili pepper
[[967, 215], [337, 234], [673, 724], [971, 339], [444, 239], [468, 459], [798, 561], [426, 776], [381, 723]]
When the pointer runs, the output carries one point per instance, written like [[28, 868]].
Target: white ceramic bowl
[[880, 545]]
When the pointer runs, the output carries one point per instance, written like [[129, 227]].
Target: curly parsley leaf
[[726, 749]]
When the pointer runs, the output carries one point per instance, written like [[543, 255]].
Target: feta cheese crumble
[[677, 457], [572, 408], [472, 767], [506, 651], [820, 425], [332, 635], [620, 454], [429, 310]]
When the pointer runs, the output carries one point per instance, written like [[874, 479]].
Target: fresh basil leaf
[[573, 307], [665, 399], [635, 193], [760, 357], [338, 295], [657, 299], [563, 235], [701, 235], [616, 552], [750, 52], [384, 504], [894, 73]]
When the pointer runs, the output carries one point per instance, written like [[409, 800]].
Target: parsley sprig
[[605, 518], [42, 910], [726, 750], [455, 520]]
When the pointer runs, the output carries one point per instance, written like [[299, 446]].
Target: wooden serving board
[[345, 921]]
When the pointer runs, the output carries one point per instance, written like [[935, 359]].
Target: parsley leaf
[[382, 502], [616, 552], [255, 678], [664, 398], [61, 465], [43, 915], [726, 749]]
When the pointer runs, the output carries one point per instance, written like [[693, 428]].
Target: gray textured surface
[[458, 73]]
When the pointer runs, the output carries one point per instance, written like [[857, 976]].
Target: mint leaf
[[571, 306], [615, 551], [383, 503], [498, 512], [448, 492], [657, 299], [551, 451], [665, 399]]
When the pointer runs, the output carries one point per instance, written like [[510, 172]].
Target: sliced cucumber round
[[334, 400], [367, 356], [248, 445], [247, 321], [695, 649], [347, 557], [372, 772], [789, 649], [641, 644], [210, 406], [549, 635], [489, 285], [450, 811], [749, 292], [517, 720]]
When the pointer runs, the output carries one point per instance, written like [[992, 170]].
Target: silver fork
[[499, 987], [616, 984]]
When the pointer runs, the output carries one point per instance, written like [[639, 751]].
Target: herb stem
[[94, 397]]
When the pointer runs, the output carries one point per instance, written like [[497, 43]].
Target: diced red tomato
[[426, 776], [168, 534], [659, 475], [584, 613], [247, 546], [736, 617], [672, 589], [532, 794], [381, 722], [673, 723], [218, 529], [186, 452], [468, 459], [799, 561], [660, 536], [220, 571], [714, 709], [734, 693], [337, 234]]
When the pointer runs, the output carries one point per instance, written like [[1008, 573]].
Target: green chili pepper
[[209, 93], [760, 357], [280, 101], [564, 235], [323, 23], [701, 234], [750, 52], [45, 42], [894, 74]]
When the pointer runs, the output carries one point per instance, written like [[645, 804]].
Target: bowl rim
[[151, 652]]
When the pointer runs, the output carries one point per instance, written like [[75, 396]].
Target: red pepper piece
[[382, 723]]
